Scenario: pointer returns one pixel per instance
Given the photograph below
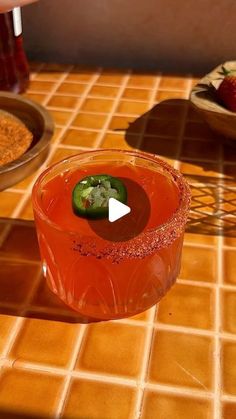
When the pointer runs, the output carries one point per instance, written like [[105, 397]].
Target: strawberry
[[226, 92]]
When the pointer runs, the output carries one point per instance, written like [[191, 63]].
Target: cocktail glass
[[105, 279]]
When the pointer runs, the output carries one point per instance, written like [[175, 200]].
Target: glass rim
[[160, 236]]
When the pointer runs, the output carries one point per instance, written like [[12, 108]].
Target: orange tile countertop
[[175, 361]]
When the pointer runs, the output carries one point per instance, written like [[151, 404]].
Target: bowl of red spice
[[26, 129], [215, 98]]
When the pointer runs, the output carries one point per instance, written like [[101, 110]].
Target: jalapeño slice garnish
[[90, 196]]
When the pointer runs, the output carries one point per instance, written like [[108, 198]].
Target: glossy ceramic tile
[[80, 138], [198, 264], [161, 405], [114, 354], [174, 361], [8, 202], [71, 88], [89, 120], [171, 363], [132, 108], [229, 410], [95, 400], [16, 281], [22, 392], [119, 141], [190, 306], [97, 105], [63, 102], [20, 242], [45, 342], [229, 261], [103, 91], [228, 367], [228, 306]]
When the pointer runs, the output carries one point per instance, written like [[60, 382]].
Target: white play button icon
[[117, 210]]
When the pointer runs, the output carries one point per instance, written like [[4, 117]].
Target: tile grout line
[[151, 103], [145, 363], [68, 379], [19, 321], [217, 352], [182, 128], [110, 115]]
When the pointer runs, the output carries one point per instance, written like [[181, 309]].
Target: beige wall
[[179, 35]]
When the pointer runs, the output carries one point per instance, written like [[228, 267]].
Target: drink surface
[[160, 189]]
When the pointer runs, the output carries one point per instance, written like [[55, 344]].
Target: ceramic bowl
[[40, 123], [204, 100]]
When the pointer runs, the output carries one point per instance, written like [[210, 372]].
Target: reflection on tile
[[97, 105], [28, 394], [79, 138], [133, 108], [186, 305], [16, 280], [89, 120], [119, 141], [25, 182], [198, 264], [103, 91], [229, 410], [8, 202], [21, 243], [228, 307], [71, 88], [167, 406], [96, 400], [45, 342], [229, 263], [229, 367], [6, 323], [114, 354], [181, 359], [69, 102]]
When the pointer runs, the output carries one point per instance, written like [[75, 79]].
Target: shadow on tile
[[23, 289], [173, 130]]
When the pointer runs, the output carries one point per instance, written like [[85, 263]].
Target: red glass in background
[[14, 68]]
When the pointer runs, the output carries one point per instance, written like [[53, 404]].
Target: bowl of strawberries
[[215, 98]]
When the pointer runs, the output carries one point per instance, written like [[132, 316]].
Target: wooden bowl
[[204, 100], [40, 123]]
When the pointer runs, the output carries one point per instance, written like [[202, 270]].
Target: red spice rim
[[145, 243]]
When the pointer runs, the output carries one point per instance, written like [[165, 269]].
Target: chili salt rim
[[146, 242]]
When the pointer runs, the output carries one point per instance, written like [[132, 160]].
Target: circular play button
[[117, 210], [124, 221]]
